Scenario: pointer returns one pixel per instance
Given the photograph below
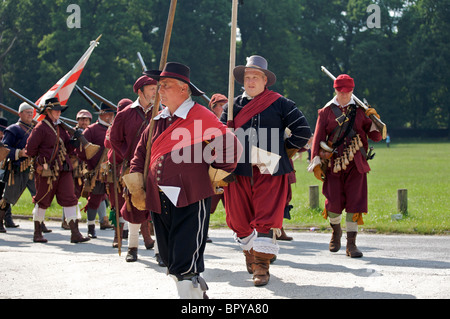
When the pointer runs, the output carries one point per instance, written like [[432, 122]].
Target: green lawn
[[420, 167]]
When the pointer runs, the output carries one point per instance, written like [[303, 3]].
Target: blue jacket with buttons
[[266, 130]]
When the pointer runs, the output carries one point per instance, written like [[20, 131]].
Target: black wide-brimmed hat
[[258, 63], [53, 104], [177, 71], [105, 108]]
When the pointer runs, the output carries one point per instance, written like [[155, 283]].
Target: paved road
[[393, 266]]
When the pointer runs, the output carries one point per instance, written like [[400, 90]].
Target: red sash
[[255, 106], [210, 127]]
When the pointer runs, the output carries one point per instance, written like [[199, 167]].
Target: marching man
[[253, 203], [51, 145], [187, 144], [339, 159]]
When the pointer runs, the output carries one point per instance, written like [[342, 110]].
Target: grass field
[[420, 167]]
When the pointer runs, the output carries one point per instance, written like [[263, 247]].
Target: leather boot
[[116, 239], [352, 250], [2, 216], [64, 225], [261, 268], [284, 236], [91, 231], [336, 234], [76, 236], [9, 222], [45, 229], [131, 254], [105, 224], [37, 237], [249, 260], [149, 242]]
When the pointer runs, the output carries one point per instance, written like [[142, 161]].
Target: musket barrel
[[100, 98]]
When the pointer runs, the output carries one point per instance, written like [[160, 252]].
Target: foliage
[[401, 68]]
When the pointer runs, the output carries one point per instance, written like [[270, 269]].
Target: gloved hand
[[371, 111], [318, 173], [135, 184], [291, 152]]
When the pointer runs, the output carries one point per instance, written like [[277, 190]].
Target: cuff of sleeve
[[314, 162]]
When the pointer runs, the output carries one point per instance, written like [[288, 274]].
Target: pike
[[87, 98], [379, 124], [234, 10], [162, 63], [100, 98], [91, 149]]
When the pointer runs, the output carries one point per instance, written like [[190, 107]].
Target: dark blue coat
[[268, 132], [15, 137]]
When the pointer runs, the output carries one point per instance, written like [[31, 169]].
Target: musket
[[379, 124], [116, 201], [100, 98], [87, 98], [141, 60], [26, 100], [91, 149]]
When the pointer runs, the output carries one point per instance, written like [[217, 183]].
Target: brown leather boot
[[104, 224], [261, 268], [45, 229], [2, 217], [37, 237], [149, 242], [249, 260], [351, 249], [336, 234], [76, 236], [284, 236]]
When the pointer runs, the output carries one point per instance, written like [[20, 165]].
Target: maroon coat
[[326, 123], [126, 130], [42, 143], [191, 176], [94, 133], [124, 135]]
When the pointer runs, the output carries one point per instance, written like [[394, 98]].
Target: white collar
[[137, 104], [182, 111], [335, 101], [248, 97], [100, 121]]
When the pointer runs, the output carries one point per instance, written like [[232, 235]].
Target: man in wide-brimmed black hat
[[51, 146], [178, 187], [255, 203]]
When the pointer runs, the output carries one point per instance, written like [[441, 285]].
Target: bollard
[[402, 201], [314, 196]]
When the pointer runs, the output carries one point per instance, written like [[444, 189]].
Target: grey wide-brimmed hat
[[254, 62]]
